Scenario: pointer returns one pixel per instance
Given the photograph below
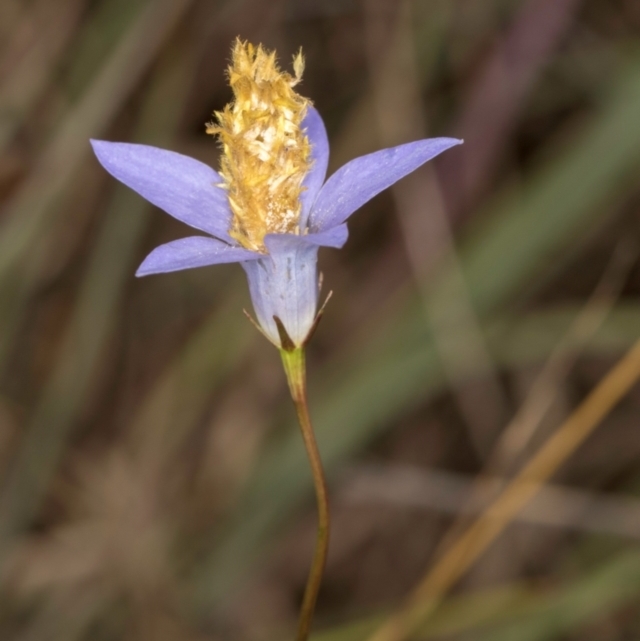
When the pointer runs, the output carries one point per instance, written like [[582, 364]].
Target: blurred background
[[153, 485]]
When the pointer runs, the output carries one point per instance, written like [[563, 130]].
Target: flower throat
[[266, 154]]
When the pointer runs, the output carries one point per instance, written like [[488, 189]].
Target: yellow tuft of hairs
[[266, 153]]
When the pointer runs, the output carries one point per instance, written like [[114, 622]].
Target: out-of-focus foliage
[[153, 484]]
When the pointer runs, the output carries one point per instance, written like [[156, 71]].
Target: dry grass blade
[[520, 611], [26, 70], [173, 406], [10, 13], [94, 316], [404, 486], [497, 97], [521, 429], [427, 235], [25, 218], [479, 536]]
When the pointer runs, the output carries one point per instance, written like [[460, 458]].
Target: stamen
[[266, 154]]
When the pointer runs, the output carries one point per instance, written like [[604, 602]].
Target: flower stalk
[[293, 361]]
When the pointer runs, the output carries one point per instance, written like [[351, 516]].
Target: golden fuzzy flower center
[[266, 154]]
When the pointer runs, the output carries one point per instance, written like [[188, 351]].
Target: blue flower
[[278, 254]]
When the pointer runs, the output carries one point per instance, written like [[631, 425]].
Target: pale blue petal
[[182, 186], [334, 237], [361, 179], [194, 251], [313, 181], [285, 284]]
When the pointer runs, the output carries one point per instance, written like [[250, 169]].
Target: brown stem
[[294, 366]]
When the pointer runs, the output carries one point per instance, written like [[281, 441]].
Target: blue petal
[[194, 251], [361, 179], [334, 237], [181, 186], [313, 181], [285, 284]]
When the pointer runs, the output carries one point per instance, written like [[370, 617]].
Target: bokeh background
[[153, 485]]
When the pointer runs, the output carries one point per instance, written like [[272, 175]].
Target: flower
[[269, 208]]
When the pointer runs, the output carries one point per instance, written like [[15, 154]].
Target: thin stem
[[294, 366]]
